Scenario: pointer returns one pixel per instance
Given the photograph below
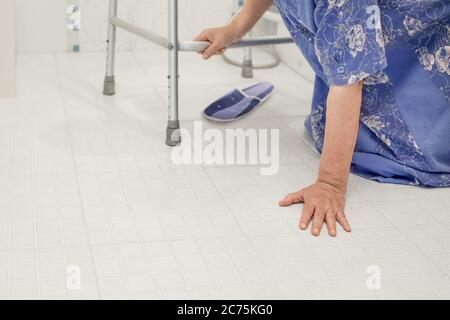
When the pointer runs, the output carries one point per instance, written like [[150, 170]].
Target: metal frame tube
[[139, 31], [247, 64], [109, 86], [174, 46], [173, 128], [111, 42], [189, 46]]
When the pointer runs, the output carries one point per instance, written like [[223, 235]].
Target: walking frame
[[174, 46]]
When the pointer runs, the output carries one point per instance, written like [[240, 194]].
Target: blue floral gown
[[400, 49]]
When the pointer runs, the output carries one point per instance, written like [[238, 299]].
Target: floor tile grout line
[[369, 228], [138, 53], [60, 226], [164, 101], [242, 230], [77, 178], [409, 241], [140, 63], [140, 242], [209, 178], [370, 203], [10, 220], [207, 170], [98, 175], [36, 237], [167, 240]]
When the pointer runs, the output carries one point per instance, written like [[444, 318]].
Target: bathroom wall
[[41, 26], [7, 50]]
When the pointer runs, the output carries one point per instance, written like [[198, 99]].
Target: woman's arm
[[343, 113], [250, 14], [324, 201], [241, 24]]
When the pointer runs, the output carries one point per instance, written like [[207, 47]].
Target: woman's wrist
[[235, 32], [341, 132], [247, 17], [339, 182], [239, 27]]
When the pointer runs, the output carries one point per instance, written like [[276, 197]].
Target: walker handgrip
[[194, 46], [200, 46]]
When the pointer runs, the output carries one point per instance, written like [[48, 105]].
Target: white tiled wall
[[41, 23]]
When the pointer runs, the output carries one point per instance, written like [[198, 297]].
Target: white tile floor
[[87, 181]]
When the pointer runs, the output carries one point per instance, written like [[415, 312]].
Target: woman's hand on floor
[[323, 203]]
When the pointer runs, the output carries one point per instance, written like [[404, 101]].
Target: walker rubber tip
[[173, 135], [247, 69], [109, 86]]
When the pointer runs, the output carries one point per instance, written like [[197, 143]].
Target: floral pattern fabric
[[400, 49]]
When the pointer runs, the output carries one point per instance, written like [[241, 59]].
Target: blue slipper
[[239, 103]]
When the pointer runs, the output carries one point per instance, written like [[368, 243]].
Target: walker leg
[[247, 65], [173, 127], [109, 86]]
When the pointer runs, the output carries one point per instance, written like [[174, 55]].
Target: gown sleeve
[[349, 42]]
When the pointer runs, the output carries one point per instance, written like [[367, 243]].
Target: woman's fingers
[[342, 219], [220, 52], [202, 36], [318, 220], [212, 50], [322, 204], [307, 213], [296, 197], [330, 219], [219, 38]]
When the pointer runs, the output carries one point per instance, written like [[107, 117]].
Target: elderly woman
[[381, 105]]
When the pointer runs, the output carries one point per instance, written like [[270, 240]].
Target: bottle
[[73, 25]]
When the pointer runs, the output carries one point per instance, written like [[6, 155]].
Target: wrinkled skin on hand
[[322, 203]]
